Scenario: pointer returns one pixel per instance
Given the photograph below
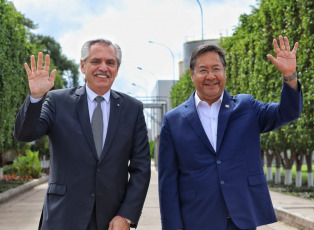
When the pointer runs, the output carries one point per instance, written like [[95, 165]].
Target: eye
[[111, 62], [203, 71], [95, 61], [216, 70]]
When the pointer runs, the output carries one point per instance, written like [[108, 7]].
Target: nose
[[103, 66], [210, 75]]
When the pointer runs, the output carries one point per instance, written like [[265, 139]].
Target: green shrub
[[9, 170], [151, 149], [28, 165]]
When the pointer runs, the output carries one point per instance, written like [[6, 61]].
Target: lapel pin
[[118, 104], [227, 106]]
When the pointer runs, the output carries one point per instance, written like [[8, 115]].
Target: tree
[[68, 69], [249, 70], [182, 90], [14, 49]]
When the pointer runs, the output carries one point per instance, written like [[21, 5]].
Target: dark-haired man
[[210, 170]]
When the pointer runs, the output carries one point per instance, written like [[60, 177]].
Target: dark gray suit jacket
[[117, 183]]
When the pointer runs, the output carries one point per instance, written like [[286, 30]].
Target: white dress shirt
[[105, 107], [209, 117]]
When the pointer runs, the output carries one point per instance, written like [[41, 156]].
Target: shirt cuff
[[33, 100]]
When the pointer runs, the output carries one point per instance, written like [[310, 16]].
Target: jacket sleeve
[[272, 116], [33, 120], [139, 170], [168, 170]]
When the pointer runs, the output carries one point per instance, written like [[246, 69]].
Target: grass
[[293, 169], [303, 192], [5, 185], [11, 181]]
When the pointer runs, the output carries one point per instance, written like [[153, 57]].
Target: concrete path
[[23, 211]]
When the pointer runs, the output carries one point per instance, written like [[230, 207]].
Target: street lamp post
[[173, 71], [141, 88], [201, 17], [146, 99], [141, 69]]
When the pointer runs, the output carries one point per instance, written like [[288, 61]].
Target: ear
[[82, 67], [191, 72]]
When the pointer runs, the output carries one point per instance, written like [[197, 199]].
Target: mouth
[[102, 74], [211, 83]]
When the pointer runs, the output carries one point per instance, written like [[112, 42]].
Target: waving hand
[[286, 61], [38, 78]]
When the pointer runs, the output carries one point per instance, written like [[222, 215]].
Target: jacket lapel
[[223, 117], [83, 114], [190, 112], [115, 108]]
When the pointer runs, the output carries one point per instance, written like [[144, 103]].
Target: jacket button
[[218, 162], [222, 182], [92, 194]]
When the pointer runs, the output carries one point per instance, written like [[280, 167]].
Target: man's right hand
[[38, 78]]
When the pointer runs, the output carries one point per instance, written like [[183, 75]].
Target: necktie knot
[[99, 99]]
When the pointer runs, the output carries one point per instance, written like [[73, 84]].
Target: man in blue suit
[[210, 170]]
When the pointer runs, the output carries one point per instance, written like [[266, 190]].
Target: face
[[209, 86], [100, 68]]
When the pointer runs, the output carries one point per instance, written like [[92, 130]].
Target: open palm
[[286, 59], [38, 78]]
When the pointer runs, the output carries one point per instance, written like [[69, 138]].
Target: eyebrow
[[215, 65], [97, 59]]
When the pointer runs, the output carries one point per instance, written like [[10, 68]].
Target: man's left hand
[[118, 223], [286, 59]]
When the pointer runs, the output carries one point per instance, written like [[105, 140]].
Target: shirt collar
[[198, 100], [91, 95]]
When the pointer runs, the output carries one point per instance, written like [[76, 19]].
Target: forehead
[[100, 50], [208, 59]]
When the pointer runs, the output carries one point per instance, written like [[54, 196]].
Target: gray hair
[[204, 49], [87, 45]]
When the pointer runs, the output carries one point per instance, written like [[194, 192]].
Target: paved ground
[[23, 212]]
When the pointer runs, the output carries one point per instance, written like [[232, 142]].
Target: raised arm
[[38, 78], [286, 60]]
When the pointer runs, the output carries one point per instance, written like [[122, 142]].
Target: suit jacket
[[198, 186], [78, 180]]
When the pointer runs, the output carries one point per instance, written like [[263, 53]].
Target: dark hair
[[204, 49]]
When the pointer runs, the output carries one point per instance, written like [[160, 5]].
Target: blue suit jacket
[[117, 182], [198, 186]]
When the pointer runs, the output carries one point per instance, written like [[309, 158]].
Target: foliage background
[[250, 71], [17, 44]]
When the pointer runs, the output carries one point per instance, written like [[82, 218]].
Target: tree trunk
[[308, 158], [263, 157], [278, 169], [298, 179], [299, 162], [310, 179], [269, 159], [278, 176], [288, 176], [288, 159]]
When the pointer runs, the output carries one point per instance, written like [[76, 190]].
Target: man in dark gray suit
[[90, 187]]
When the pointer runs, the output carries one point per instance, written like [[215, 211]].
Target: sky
[[131, 24]]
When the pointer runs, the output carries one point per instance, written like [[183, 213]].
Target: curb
[[7, 195], [293, 219]]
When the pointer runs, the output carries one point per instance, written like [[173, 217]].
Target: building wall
[[162, 92]]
